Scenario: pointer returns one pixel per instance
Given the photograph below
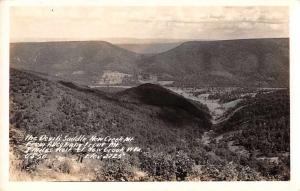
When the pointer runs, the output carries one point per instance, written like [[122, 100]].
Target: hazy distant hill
[[152, 48], [79, 61], [138, 41], [253, 62]]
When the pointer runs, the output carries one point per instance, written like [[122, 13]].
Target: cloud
[[148, 22], [245, 25]]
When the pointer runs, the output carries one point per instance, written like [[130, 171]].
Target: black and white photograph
[[149, 93]]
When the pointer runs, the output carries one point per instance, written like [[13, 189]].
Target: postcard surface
[[149, 93]]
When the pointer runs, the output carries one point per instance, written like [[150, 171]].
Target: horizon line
[[155, 40]]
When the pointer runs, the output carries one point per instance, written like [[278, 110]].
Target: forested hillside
[[171, 130], [264, 122], [260, 126], [39, 106]]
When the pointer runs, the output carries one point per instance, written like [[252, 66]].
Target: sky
[[156, 22]]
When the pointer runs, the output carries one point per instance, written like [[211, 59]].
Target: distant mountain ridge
[[249, 62], [81, 61]]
